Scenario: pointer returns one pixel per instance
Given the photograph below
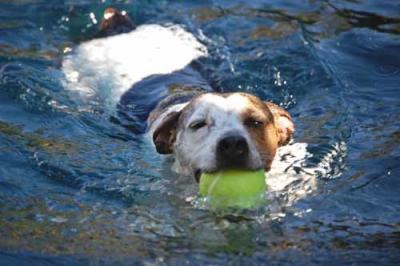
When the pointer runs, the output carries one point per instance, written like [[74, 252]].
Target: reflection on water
[[74, 183]]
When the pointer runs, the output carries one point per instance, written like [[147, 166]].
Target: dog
[[158, 89], [215, 131]]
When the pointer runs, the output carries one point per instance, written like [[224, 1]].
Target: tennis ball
[[233, 188]]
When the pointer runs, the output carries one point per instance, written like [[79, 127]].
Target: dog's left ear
[[165, 133], [283, 121]]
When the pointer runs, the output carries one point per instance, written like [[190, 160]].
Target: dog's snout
[[233, 147]]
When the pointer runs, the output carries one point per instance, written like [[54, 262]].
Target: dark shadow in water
[[363, 19]]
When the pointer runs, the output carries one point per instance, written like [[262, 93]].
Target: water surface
[[77, 188]]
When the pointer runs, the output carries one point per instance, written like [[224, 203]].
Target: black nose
[[232, 150]]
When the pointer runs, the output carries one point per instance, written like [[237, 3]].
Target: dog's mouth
[[199, 172]]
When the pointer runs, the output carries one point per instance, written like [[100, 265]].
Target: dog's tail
[[115, 22]]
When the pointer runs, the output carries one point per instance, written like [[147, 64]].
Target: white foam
[[291, 176], [110, 66], [287, 157]]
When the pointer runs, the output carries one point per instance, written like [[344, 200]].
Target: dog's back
[[108, 67]]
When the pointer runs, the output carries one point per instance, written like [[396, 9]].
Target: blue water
[[78, 188]]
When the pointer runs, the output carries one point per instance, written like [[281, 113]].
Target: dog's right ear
[[165, 133]]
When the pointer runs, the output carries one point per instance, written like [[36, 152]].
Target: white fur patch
[[110, 66]]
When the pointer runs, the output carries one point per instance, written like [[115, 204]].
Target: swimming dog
[[152, 72]]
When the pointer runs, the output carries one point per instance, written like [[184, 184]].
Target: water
[[78, 188]]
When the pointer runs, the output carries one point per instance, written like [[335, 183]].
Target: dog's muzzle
[[232, 151]]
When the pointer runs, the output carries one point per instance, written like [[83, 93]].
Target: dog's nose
[[232, 148]]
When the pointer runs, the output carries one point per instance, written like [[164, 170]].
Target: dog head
[[221, 131]]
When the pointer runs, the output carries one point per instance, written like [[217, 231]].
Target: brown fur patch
[[283, 122], [259, 122], [164, 135]]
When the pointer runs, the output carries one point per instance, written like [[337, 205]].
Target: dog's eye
[[252, 122], [198, 124]]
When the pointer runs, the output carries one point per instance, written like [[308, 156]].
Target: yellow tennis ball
[[233, 188]]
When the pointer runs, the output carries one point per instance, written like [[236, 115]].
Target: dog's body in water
[[204, 130]]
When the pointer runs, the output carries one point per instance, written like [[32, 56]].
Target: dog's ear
[[165, 133], [283, 121]]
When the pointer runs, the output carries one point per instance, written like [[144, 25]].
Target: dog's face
[[222, 131]]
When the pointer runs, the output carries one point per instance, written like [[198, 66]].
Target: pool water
[[77, 188]]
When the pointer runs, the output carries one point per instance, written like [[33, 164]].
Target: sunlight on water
[[77, 187]]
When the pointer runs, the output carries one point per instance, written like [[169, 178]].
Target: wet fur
[[224, 113]]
